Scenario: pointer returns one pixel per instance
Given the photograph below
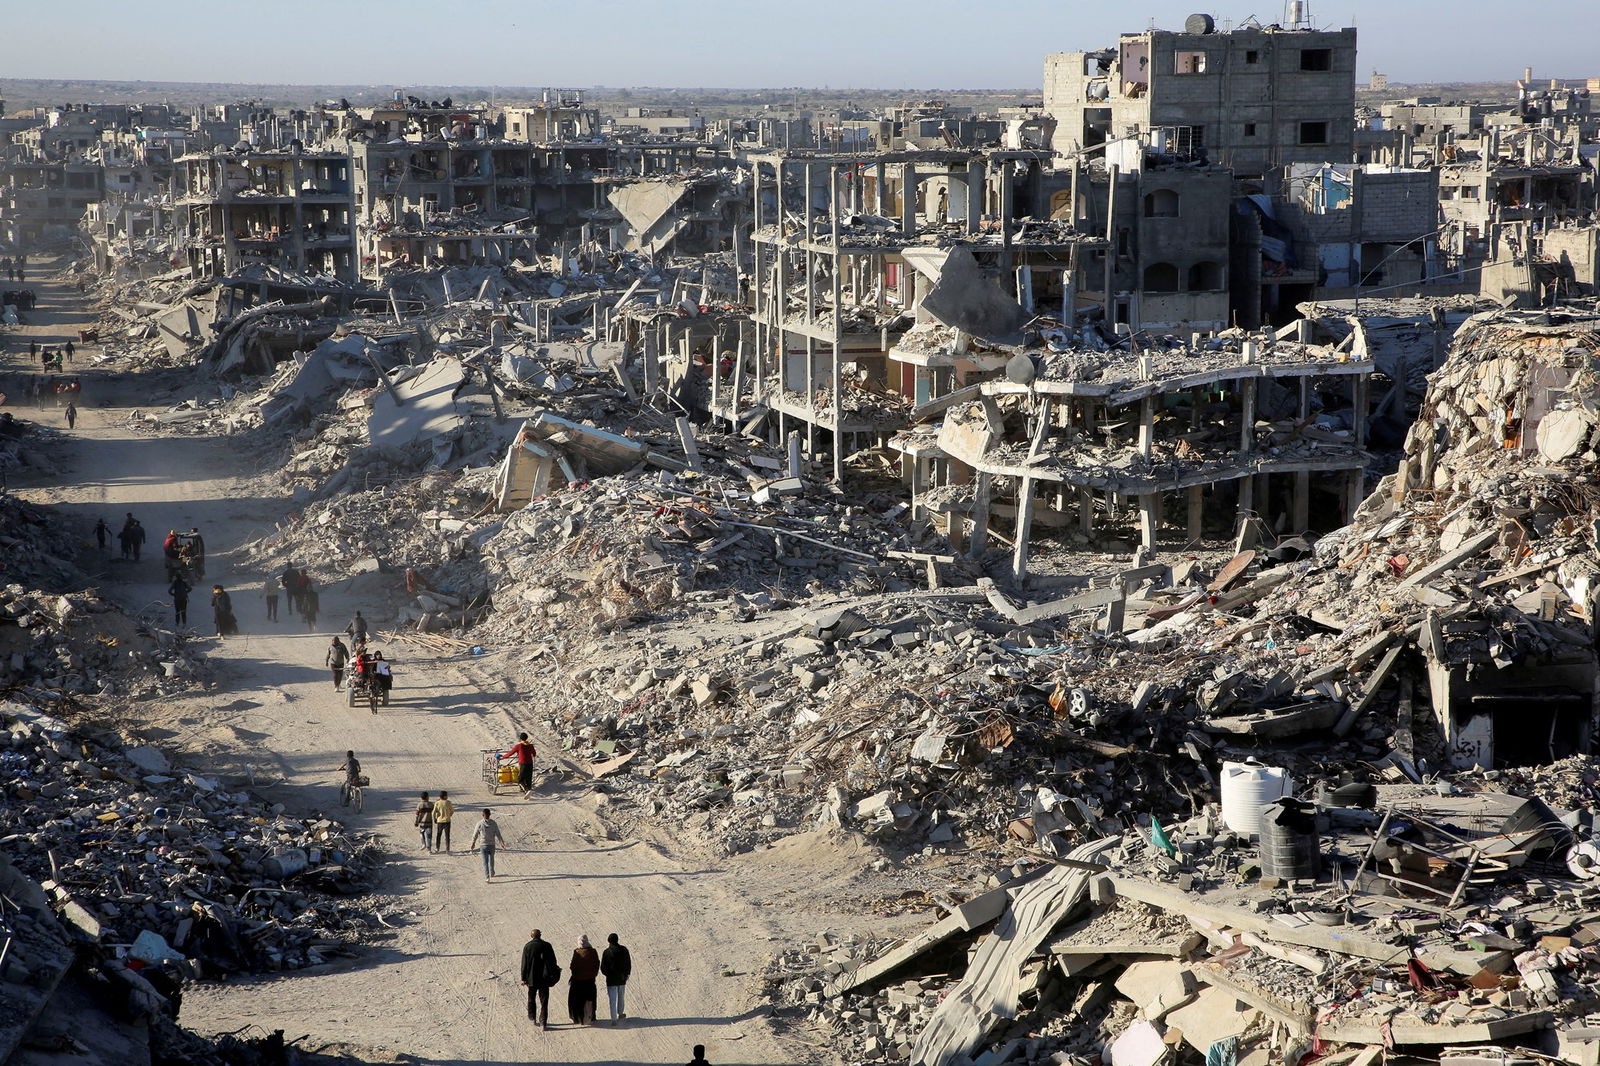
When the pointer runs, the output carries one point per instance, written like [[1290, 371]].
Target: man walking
[[72, 414], [443, 811], [486, 836], [539, 972], [102, 533], [136, 538], [424, 822], [337, 656], [616, 964], [357, 630], [524, 750], [269, 591], [179, 591]]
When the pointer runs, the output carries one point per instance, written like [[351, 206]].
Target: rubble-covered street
[[1099, 576]]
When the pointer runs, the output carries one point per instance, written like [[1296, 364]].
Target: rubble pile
[[1478, 553], [425, 523], [1423, 918], [25, 446], [631, 546], [37, 547], [130, 847]]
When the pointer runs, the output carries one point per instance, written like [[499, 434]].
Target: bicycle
[[352, 793]]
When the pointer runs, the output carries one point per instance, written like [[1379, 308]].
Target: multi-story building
[[291, 208], [1254, 98]]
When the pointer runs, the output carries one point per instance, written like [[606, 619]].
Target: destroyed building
[[1254, 98], [292, 209]]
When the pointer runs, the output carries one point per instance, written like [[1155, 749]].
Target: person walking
[[539, 972], [269, 592], [222, 612], [290, 579], [338, 655], [357, 630], [179, 591], [443, 811], [125, 537], [310, 602], [137, 539], [486, 836], [524, 751], [583, 969], [424, 822], [102, 533], [616, 964], [68, 350], [699, 1056], [72, 414]]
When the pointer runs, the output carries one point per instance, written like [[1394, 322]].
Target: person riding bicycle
[[352, 770]]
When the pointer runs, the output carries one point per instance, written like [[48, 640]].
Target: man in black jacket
[[616, 964], [539, 972]]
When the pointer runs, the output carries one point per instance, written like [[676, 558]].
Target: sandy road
[[444, 989]]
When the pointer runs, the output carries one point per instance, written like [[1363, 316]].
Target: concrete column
[[1085, 512], [980, 514], [838, 328], [1359, 389], [1147, 426], [880, 196], [1247, 419], [1247, 490], [1111, 245], [1195, 528], [1024, 531], [1149, 521], [1354, 492], [974, 196], [1300, 505], [908, 197]]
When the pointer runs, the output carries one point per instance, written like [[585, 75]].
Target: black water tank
[[1199, 24], [1290, 847]]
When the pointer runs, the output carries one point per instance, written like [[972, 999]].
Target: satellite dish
[[1199, 24]]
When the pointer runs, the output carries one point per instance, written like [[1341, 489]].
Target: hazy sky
[[729, 43]]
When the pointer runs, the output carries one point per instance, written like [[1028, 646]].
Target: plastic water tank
[[1290, 847], [1246, 788], [285, 863]]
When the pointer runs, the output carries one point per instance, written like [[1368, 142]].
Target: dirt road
[[445, 987]]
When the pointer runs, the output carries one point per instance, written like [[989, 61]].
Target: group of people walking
[[540, 973], [304, 600], [15, 269]]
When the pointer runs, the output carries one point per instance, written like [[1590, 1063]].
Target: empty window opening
[[1205, 277], [1161, 277], [1189, 63], [1316, 59], [1162, 203], [1313, 133]]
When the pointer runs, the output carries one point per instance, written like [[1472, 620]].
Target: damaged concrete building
[[293, 209]]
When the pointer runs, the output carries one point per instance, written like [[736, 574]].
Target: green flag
[[1158, 837]]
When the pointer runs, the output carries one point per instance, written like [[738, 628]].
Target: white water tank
[[1246, 788]]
